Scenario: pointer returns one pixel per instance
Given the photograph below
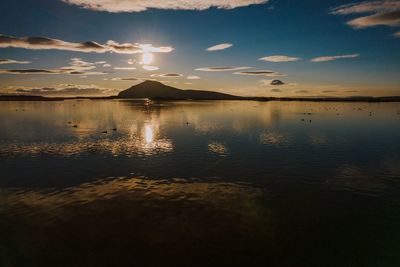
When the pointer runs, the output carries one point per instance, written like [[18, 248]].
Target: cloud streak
[[77, 66], [332, 58], [167, 75], [267, 73], [219, 47], [61, 90], [378, 12], [219, 69], [116, 6], [45, 43], [12, 61], [279, 58]]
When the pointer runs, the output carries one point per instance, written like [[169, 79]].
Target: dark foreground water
[[199, 184]]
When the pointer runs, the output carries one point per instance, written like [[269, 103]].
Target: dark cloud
[[67, 90], [301, 92], [277, 82], [276, 90]]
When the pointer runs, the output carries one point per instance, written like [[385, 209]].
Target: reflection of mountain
[[157, 90]]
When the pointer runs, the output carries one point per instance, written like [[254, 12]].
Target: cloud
[[380, 12], [107, 65], [216, 69], [124, 68], [279, 58], [150, 68], [167, 75], [61, 90], [331, 58], [276, 90], [193, 77], [277, 82], [125, 79], [77, 66], [12, 61], [301, 91], [142, 5], [219, 47], [397, 34], [268, 73], [44, 43]]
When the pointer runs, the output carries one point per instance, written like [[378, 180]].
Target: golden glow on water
[[148, 134]]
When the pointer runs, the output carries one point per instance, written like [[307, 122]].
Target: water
[[199, 183]]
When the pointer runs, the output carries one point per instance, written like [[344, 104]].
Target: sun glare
[[147, 58]]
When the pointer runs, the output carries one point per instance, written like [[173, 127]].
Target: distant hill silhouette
[[157, 90]]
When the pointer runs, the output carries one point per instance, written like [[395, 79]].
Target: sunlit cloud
[[125, 79], [268, 73], [124, 68], [332, 58], [381, 12], [279, 58], [150, 68], [219, 47], [193, 77], [44, 43], [216, 69], [107, 65], [167, 75], [142, 5], [4, 61]]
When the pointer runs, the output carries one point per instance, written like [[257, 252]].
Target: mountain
[[157, 90]]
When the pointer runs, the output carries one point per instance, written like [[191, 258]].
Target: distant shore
[[261, 99]]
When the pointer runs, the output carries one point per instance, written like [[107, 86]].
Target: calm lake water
[[216, 183]]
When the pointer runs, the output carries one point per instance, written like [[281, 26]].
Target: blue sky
[[360, 58]]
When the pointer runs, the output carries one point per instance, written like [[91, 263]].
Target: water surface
[[206, 183]]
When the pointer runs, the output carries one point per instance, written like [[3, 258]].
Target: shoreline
[[259, 99]]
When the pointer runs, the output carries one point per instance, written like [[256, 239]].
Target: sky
[[242, 47]]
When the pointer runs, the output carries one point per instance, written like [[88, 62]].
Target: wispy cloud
[[217, 69], [167, 75], [332, 58], [193, 77], [142, 5], [125, 79], [4, 61], [77, 66], [219, 47], [150, 68], [124, 68], [380, 12], [45, 43], [268, 73], [279, 58]]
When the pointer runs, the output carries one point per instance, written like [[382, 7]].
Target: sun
[[147, 58]]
